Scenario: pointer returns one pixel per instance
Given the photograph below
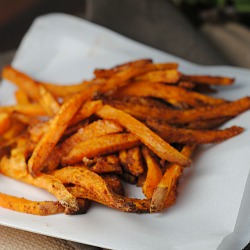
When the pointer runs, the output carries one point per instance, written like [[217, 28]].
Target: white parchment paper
[[65, 49]]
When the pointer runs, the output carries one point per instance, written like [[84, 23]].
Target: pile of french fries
[[138, 122]]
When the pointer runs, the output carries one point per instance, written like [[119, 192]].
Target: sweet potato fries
[[138, 122]]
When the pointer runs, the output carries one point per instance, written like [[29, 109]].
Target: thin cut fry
[[31, 207], [192, 136], [212, 80]]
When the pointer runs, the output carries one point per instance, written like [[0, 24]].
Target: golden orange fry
[[147, 136]]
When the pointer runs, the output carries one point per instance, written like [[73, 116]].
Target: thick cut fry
[[192, 136], [93, 187], [5, 122], [131, 161], [57, 126], [99, 146], [147, 136], [168, 184], [211, 80], [154, 173], [174, 95]]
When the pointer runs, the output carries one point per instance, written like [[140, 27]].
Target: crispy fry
[[211, 80], [192, 136], [147, 136], [33, 109], [87, 109], [166, 76], [52, 136], [93, 187], [174, 95], [107, 73], [65, 90], [48, 102], [162, 195], [31, 207], [100, 145], [154, 173], [182, 117]]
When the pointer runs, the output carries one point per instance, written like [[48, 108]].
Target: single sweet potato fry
[[31, 207], [168, 184], [154, 173], [192, 136], [47, 101], [146, 136], [165, 76], [206, 79], [57, 127]]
